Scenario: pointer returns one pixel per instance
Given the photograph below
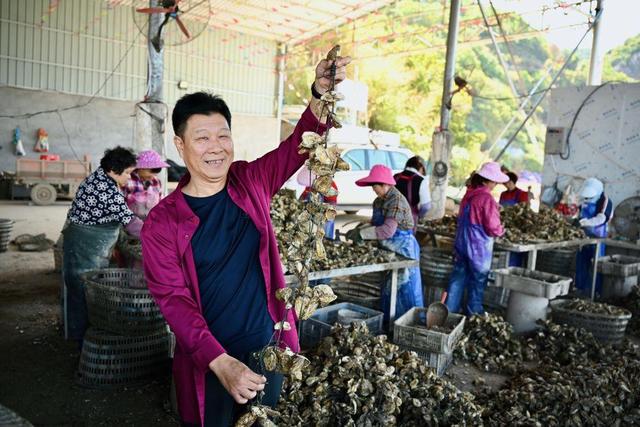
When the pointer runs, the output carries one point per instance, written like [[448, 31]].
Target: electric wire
[[555, 78]]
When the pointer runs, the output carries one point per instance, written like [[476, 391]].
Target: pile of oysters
[[285, 209], [576, 382], [355, 379], [586, 306], [490, 344], [523, 225]]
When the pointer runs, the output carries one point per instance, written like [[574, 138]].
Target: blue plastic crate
[[319, 325]]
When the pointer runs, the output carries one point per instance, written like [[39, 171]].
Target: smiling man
[[211, 258]]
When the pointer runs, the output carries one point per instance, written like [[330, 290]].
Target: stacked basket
[[606, 328], [6, 226], [128, 341]]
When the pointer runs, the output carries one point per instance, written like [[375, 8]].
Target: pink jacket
[[484, 210], [171, 274]]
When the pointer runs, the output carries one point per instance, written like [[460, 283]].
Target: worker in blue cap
[[595, 212]]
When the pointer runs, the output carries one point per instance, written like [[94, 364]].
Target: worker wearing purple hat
[[144, 190], [478, 224], [392, 225]]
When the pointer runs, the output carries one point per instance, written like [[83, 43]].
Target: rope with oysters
[[304, 241]]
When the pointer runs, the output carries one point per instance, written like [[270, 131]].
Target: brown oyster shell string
[[304, 243]]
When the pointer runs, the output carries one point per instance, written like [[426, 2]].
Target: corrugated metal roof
[[283, 21]]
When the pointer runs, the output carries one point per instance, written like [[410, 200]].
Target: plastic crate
[[109, 360], [406, 333], [439, 362], [532, 282], [357, 292], [619, 265], [118, 301], [319, 325], [606, 328]]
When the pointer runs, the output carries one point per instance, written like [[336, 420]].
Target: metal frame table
[[393, 266], [533, 248]]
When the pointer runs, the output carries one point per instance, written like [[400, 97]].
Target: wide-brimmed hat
[[379, 174], [149, 159], [492, 172]]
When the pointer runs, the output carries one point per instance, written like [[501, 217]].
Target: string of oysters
[[304, 241]]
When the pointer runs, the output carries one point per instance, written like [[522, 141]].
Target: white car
[[361, 158]]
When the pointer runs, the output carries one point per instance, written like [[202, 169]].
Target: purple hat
[[492, 172], [380, 174], [149, 159]]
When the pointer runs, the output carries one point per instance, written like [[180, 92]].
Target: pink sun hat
[[492, 172], [149, 159], [380, 174]]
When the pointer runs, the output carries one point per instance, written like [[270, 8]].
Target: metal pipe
[[450, 64], [155, 65], [555, 78], [595, 65], [505, 67], [282, 49], [521, 108]]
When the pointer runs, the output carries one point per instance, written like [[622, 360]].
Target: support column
[[151, 113], [595, 66], [442, 138]]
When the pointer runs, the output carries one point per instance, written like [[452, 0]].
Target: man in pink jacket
[[211, 258]]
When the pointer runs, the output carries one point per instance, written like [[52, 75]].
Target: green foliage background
[[399, 53]]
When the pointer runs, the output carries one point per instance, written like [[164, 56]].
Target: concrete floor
[[33, 219]]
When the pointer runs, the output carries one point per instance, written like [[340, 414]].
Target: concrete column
[[597, 55], [450, 64]]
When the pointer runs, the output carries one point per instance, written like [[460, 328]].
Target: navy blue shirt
[[231, 283]]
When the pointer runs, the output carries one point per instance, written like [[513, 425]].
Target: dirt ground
[[37, 379], [38, 365]]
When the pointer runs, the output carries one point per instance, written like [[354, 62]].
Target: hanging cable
[[555, 78], [81, 105]]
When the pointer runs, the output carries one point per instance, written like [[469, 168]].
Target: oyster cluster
[[587, 306], [304, 240], [445, 225], [577, 382], [306, 300], [284, 361], [355, 379], [285, 209], [523, 225], [490, 344], [257, 414]]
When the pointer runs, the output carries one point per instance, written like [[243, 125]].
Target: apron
[[472, 243], [86, 248], [404, 243], [584, 257]]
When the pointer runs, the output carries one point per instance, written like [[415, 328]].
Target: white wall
[[604, 143]]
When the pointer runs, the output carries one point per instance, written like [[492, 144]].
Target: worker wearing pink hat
[[478, 224], [392, 225], [144, 190]]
